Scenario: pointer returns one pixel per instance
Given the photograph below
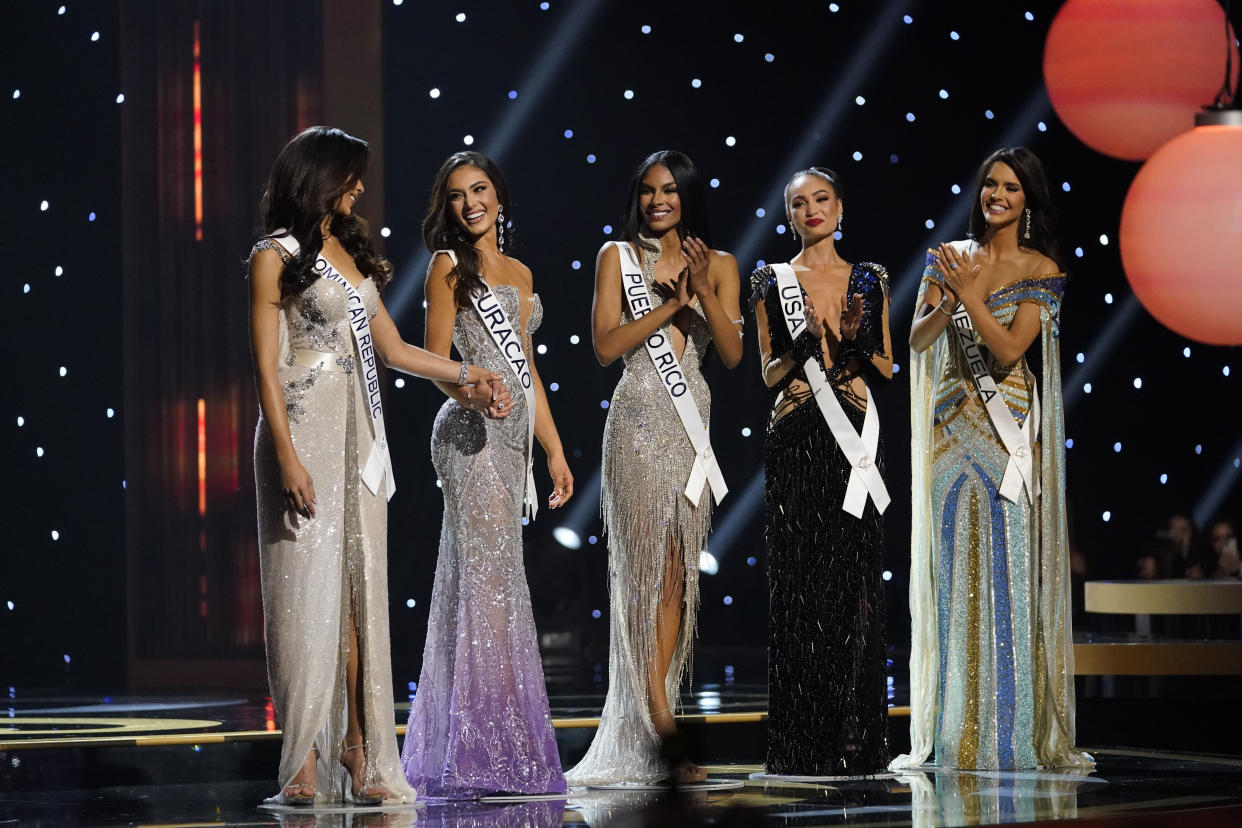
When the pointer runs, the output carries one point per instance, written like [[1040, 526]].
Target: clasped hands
[[486, 392]]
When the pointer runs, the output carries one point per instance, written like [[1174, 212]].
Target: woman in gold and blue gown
[[992, 655]]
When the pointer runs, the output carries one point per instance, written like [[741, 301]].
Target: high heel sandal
[[300, 800], [674, 747], [360, 797]]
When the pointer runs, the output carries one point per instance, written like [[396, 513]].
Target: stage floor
[[208, 761], [1129, 787]]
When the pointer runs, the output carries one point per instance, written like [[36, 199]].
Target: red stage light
[[1181, 234], [1126, 76]]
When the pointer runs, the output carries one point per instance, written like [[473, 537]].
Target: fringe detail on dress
[[640, 540]]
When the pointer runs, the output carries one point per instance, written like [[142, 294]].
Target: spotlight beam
[[1037, 107], [1216, 492], [816, 134], [1102, 348], [730, 527], [533, 89]]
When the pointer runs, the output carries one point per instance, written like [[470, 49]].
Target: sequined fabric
[[647, 458], [827, 690], [866, 278], [480, 721], [314, 570], [992, 658]]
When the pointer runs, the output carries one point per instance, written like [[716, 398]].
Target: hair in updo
[[828, 175]]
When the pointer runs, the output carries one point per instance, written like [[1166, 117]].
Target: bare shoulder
[[1041, 265], [723, 261], [441, 264], [266, 263], [608, 257], [521, 271]]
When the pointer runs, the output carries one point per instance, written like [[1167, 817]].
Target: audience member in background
[[1222, 555], [1181, 530]]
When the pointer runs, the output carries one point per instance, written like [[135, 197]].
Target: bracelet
[[940, 307], [461, 378]]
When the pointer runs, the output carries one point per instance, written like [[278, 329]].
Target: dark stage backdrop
[[157, 581]]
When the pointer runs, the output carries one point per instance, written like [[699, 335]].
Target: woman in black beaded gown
[[827, 700]]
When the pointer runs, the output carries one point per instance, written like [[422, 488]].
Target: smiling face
[[344, 205], [1001, 198], [473, 200], [659, 203], [812, 205]]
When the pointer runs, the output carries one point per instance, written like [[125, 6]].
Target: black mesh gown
[[827, 695]]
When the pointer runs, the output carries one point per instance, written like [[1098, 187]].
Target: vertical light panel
[[202, 456], [198, 140]]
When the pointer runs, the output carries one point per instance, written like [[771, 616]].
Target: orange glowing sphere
[[1181, 234], [1125, 76]]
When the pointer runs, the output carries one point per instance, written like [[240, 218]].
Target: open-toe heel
[[368, 795]]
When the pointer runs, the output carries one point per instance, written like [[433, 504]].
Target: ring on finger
[[952, 265]]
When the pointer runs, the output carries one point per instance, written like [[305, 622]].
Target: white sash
[[1020, 471], [660, 349], [860, 451], [509, 342], [379, 462]]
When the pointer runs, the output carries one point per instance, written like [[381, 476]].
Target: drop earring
[[500, 229], [792, 229], [840, 221], [1027, 233]]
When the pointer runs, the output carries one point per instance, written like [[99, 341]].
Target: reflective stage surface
[[208, 761], [1150, 789]]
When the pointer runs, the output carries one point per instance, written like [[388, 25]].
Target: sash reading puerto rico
[[660, 350]]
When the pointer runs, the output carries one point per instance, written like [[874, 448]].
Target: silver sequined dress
[[646, 461], [311, 569], [480, 721]]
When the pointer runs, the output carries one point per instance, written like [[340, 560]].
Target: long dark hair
[[442, 230], [308, 177], [689, 188], [1030, 172]]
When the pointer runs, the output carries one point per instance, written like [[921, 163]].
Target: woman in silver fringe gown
[[321, 528], [480, 722], [991, 662], [655, 534]]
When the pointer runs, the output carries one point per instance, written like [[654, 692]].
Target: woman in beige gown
[[320, 433]]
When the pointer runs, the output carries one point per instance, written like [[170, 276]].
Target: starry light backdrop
[[902, 98]]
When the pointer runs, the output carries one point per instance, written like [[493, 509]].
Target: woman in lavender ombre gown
[[480, 722]]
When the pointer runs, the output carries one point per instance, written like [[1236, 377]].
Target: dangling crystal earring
[[840, 219], [792, 229], [500, 229], [1027, 234]]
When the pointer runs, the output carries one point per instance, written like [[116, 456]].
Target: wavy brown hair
[[442, 230], [307, 180]]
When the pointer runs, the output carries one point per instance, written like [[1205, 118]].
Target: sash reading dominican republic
[[660, 350], [378, 462], [859, 450], [508, 341], [1020, 470]]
